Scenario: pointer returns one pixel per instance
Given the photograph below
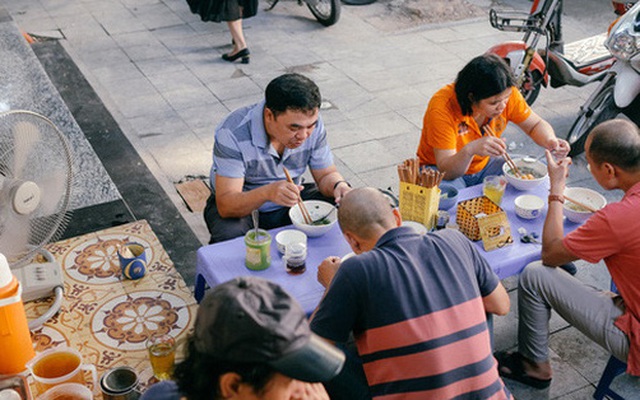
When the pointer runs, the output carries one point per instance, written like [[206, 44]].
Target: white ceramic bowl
[[283, 238], [416, 226], [525, 165], [528, 206], [587, 196], [317, 209]]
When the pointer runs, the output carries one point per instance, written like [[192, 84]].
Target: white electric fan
[[35, 190]]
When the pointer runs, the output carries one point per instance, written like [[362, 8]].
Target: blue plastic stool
[[614, 368]]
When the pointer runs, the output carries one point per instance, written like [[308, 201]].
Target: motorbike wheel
[[327, 12], [531, 86], [601, 109]]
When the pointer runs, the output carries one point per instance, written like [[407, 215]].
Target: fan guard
[[35, 184]]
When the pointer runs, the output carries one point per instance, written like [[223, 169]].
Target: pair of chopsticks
[[580, 204], [303, 209], [409, 172], [507, 158]]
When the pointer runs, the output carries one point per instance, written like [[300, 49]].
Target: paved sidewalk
[[158, 70]]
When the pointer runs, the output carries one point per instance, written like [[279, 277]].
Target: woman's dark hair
[[484, 76], [292, 92], [616, 142], [198, 375]]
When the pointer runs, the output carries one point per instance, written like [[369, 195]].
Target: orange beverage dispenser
[[15, 339]]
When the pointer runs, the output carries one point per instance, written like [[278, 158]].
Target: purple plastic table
[[511, 259], [223, 261]]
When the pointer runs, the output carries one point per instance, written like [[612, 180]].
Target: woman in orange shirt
[[452, 133]]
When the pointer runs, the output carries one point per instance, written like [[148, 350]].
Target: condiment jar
[[258, 246], [295, 258]]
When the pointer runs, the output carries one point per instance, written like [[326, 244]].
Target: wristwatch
[[335, 185], [556, 197]]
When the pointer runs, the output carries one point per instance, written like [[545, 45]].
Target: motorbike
[[327, 12], [557, 64], [620, 88], [621, 6]]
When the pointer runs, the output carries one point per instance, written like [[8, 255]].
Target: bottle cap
[[5, 271]]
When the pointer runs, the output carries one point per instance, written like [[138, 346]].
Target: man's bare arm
[[327, 180], [232, 202], [497, 302]]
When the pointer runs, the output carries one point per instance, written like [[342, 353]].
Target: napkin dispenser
[[480, 218]]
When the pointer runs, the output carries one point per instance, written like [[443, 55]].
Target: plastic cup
[[57, 366], [493, 187], [162, 355], [67, 391], [258, 250]]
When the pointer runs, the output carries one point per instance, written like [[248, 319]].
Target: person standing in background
[[233, 12]]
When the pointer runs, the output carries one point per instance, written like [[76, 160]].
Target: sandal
[[514, 363]]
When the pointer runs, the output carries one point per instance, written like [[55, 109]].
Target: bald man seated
[[415, 304], [612, 150]]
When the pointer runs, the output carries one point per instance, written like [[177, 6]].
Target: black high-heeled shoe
[[243, 55]]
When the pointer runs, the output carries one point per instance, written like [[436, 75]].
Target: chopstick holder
[[419, 193], [303, 209]]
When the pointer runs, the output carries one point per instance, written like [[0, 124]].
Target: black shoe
[[242, 54], [510, 365]]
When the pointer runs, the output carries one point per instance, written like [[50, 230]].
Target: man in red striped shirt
[[416, 305]]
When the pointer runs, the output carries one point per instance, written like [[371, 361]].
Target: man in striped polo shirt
[[252, 147], [416, 305]]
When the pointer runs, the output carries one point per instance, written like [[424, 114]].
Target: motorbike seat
[[586, 51], [581, 63]]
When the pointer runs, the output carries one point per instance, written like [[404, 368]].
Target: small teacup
[[133, 260]]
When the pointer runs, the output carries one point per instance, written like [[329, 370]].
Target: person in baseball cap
[[252, 340]]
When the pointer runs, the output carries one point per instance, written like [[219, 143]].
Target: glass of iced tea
[[493, 187], [162, 355]]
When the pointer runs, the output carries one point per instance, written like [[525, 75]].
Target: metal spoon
[[532, 159], [315, 221], [254, 216]]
